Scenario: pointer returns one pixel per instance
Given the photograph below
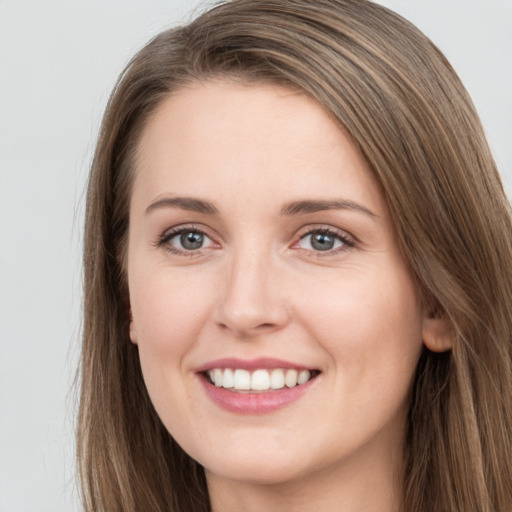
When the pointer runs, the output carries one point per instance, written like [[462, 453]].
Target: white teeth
[[303, 377], [242, 380], [258, 380], [229, 380], [277, 379], [291, 378], [218, 375]]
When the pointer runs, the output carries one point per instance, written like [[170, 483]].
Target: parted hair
[[406, 110]]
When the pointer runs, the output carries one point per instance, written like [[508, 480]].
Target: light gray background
[[58, 61]]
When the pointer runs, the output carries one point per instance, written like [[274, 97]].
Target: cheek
[[167, 316], [369, 324], [165, 307], [371, 331]]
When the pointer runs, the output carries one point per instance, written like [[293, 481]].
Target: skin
[[258, 288]]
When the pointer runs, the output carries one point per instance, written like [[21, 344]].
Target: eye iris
[[322, 241], [191, 240]]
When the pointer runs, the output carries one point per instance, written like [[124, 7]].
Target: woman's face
[[262, 256]]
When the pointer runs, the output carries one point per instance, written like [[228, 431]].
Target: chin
[[255, 472], [259, 463]]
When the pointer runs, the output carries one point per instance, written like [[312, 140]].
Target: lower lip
[[254, 403]]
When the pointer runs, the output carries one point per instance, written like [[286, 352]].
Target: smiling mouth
[[260, 380]]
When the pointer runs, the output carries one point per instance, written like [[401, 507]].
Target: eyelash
[[164, 240], [346, 241]]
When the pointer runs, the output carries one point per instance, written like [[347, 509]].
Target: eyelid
[[348, 240], [327, 228], [164, 239]]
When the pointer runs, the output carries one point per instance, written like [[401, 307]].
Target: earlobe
[[437, 333]]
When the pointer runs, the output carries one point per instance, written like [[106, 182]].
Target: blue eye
[[322, 240], [185, 240], [191, 240]]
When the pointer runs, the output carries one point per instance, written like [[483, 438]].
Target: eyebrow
[[293, 208], [303, 207], [184, 203]]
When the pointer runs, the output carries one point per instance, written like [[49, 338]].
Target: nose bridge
[[251, 301]]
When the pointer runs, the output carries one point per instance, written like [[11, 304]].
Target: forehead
[[253, 140]]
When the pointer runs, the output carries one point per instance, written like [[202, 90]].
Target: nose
[[252, 300]]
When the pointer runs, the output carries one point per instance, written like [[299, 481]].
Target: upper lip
[[251, 364]]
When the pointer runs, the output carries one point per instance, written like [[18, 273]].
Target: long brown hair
[[405, 108]]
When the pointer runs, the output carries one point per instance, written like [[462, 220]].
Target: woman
[[297, 274]]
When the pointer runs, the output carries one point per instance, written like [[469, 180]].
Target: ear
[[437, 331], [133, 332]]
